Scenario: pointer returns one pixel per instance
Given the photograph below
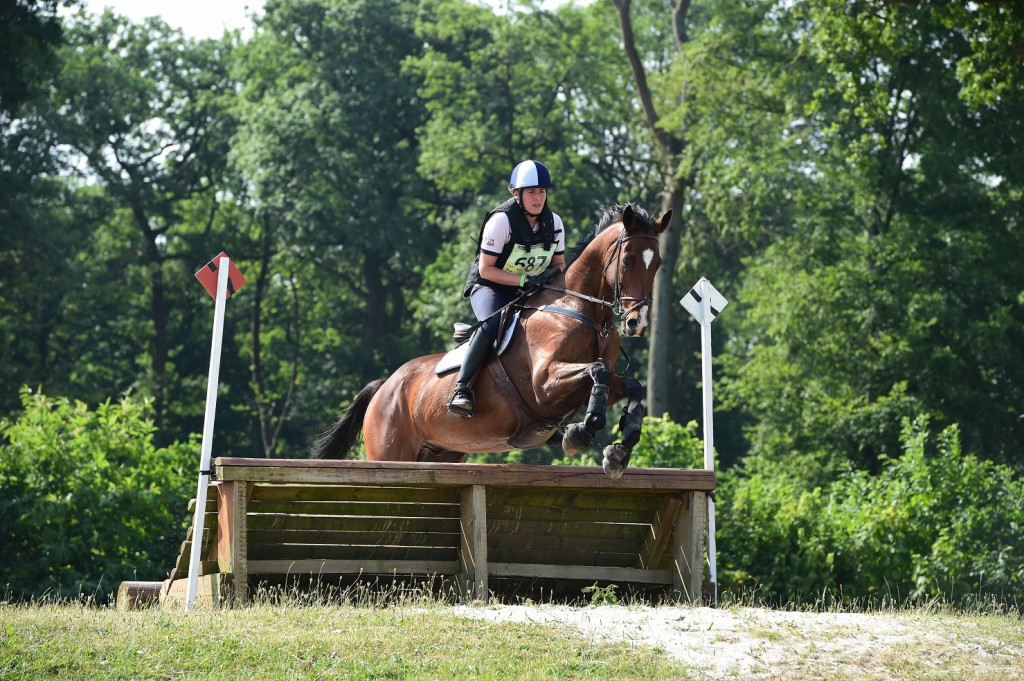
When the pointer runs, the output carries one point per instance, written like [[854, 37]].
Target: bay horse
[[561, 356]]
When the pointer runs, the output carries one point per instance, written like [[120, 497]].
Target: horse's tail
[[336, 442]]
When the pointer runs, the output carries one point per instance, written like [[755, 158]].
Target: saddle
[[532, 429], [506, 332]]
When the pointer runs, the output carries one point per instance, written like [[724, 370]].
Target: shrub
[[933, 523], [86, 500]]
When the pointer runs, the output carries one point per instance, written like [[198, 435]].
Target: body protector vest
[[527, 252]]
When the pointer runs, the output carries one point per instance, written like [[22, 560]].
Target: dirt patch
[[758, 643]]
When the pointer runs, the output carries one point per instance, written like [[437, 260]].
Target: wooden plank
[[688, 549], [351, 552], [554, 514], [473, 544], [397, 473], [350, 538], [656, 541], [225, 524], [602, 500], [528, 528], [353, 567], [603, 558], [282, 522], [309, 492], [581, 572], [356, 508], [211, 502], [560, 544], [211, 590], [181, 564], [232, 531]]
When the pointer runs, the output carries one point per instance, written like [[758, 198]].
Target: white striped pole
[[207, 444], [704, 302]]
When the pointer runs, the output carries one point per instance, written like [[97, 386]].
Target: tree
[[143, 112], [502, 87], [30, 33], [896, 294], [88, 500], [327, 153]]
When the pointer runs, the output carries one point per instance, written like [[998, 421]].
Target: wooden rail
[[474, 523]]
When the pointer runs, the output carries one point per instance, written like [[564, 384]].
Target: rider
[[522, 244]]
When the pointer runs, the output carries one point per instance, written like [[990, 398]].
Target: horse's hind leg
[[579, 435], [616, 455]]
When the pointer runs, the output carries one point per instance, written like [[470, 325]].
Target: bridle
[[617, 258], [616, 304]]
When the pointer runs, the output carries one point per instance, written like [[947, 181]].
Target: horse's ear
[[628, 218], [662, 224]]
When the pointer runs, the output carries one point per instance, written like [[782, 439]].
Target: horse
[[562, 355]]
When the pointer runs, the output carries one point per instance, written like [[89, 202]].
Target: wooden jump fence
[[477, 525]]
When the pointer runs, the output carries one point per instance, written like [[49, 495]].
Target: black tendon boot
[[477, 353]]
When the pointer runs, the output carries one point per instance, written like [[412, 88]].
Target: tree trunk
[[663, 350], [663, 354], [376, 314], [159, 315]]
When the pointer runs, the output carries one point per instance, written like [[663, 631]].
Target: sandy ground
[[753, 643]]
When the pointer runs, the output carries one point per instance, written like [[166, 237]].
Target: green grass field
[[423, 639]]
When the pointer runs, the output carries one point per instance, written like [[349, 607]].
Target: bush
[[932, 523], [86, 500]]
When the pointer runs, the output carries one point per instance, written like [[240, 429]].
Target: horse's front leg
[[616, 455], [579, 435]]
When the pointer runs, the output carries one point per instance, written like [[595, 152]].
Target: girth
[[531, 428]]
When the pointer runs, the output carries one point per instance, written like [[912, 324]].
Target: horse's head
[[632, 259]]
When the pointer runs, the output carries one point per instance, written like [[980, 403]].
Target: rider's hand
[[536, 280]]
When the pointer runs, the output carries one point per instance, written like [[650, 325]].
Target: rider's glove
[[536, 280]]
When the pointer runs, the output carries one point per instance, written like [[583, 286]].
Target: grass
[[402, 636], [295, 641]]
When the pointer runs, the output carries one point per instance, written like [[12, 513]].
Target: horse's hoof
[[612, 470], [575, 439], [615, 458]]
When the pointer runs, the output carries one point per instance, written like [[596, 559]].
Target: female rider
[[522, 244]]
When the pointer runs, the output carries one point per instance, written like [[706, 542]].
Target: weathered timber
[[134, 595], [483, 525]]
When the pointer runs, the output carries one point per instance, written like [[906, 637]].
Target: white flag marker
[[704, 302], [229, 280]]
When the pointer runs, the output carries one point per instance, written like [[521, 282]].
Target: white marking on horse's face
[[648, 257]]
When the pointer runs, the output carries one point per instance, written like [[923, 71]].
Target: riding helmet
[[530, 174]]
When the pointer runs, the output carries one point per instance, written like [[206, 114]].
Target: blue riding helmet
[[530, 174]]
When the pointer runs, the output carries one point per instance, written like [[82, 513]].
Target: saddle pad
[[453, 358]]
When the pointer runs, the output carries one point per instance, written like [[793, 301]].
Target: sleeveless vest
[[521, 235]]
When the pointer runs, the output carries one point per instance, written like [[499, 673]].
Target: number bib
[[534, 261]]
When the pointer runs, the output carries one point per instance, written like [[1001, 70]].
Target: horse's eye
[[627, 263]]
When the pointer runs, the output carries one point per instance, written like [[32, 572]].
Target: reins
[[615, 305]]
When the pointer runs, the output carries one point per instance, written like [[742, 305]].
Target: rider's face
[[532, 199]]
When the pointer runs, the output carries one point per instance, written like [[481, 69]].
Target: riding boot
[[476, 354]]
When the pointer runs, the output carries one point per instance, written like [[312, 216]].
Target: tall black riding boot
[[476, 354]]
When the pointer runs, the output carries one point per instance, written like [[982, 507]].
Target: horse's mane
[[611, 215]]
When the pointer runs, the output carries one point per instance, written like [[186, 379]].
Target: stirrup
[[462, 401]]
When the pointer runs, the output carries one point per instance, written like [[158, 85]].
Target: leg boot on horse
[[463, 398]]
